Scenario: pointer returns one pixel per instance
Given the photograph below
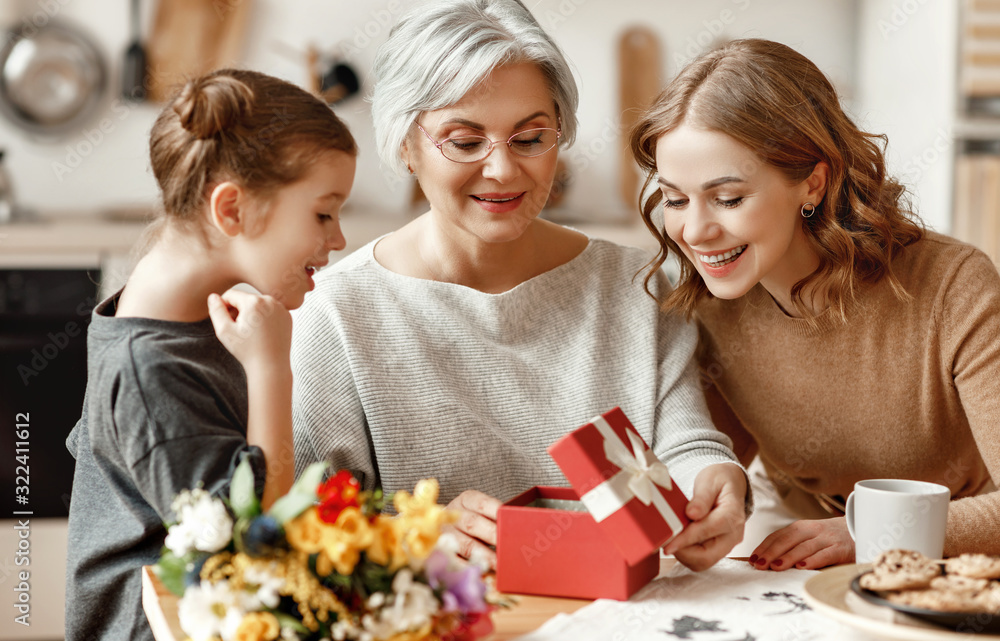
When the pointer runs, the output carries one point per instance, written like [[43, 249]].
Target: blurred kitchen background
[[76, 188]]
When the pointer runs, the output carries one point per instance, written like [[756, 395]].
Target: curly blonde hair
[[776, 102]]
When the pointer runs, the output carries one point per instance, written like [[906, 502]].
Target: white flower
[[264, 588], [411, 607], [448, 543], [344, 629], [288, 634], [481, 559], [180, 539], [203, 524], [231, 622], [206, 610]]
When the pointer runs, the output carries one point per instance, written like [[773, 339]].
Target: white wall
[[906, 85], [113, 168]]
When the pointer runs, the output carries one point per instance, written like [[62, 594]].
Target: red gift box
[[625, 487], [560, 552]]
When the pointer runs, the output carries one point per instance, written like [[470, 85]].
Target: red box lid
[[627, 490]]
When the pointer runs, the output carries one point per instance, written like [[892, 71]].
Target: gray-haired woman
[[463, 344]]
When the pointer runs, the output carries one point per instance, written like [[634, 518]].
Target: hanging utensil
[[134, 66], [7, 205], [640, 81], [193, 37], [338, 83], [52, 79]]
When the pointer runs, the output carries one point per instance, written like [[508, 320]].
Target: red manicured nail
[[753, 558], [777, 563], [762, 561], [801, 564]]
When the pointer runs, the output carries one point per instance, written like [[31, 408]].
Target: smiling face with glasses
[[486, 164]]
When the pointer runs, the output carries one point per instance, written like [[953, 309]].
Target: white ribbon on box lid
[[640, 474]]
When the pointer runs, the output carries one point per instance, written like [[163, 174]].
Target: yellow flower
[[423, 634], [421, 518], [258, 626], [386, 547], [305, 532], [424, 497], [343, 542]]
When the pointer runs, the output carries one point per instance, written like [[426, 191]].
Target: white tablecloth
[[730, 602]]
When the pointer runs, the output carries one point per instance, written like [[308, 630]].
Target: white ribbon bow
[[645, 471], [640, 474]]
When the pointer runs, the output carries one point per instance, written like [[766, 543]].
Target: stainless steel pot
[[52, 78]]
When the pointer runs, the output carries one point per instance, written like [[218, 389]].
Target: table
[[527, 615]]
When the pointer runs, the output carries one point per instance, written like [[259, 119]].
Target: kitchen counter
[[106, 241], [75, 239]]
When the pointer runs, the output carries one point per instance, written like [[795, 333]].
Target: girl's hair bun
[[209, 105]]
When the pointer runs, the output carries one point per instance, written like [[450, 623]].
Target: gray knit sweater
[[399, 378]]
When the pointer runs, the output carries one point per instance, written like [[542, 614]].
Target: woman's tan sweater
[[904, 389]]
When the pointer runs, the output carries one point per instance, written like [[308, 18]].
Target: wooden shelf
[[977, 129]]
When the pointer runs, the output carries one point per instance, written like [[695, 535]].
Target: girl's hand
[[807, 544], [717, 514], [256, 329], [476, 528]]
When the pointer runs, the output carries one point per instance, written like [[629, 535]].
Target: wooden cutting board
[[640, 81], [192, 37]]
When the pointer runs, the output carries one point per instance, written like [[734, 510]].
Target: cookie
[[990, 598], [959, 584], [937, 600], [900, 570], [975, 566]]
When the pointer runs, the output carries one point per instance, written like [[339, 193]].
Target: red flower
[[469, 627], [336, 493]]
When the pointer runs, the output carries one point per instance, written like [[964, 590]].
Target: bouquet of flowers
[[323, 563]]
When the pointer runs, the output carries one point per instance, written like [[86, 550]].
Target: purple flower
[[462, 590]]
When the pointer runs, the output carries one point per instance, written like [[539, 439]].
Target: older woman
[[842, 340], [463, 344]]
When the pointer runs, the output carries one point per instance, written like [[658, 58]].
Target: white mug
[[884, 514]]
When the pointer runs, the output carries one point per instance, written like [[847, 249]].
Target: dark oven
[[44, 314]]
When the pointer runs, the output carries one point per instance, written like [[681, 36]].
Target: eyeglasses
[[527, 144]]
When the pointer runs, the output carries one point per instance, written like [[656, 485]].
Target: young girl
[[840, 340], [186, 378]]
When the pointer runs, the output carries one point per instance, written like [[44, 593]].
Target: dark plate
[[957, 621]]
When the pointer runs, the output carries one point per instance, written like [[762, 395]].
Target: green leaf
[[288, 621], [171, 569], [309, 480], [242, 498], [289, 506], [300, 497]]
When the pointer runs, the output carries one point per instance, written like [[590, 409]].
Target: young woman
[[840, 341], [478, 334], [184, 383]]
